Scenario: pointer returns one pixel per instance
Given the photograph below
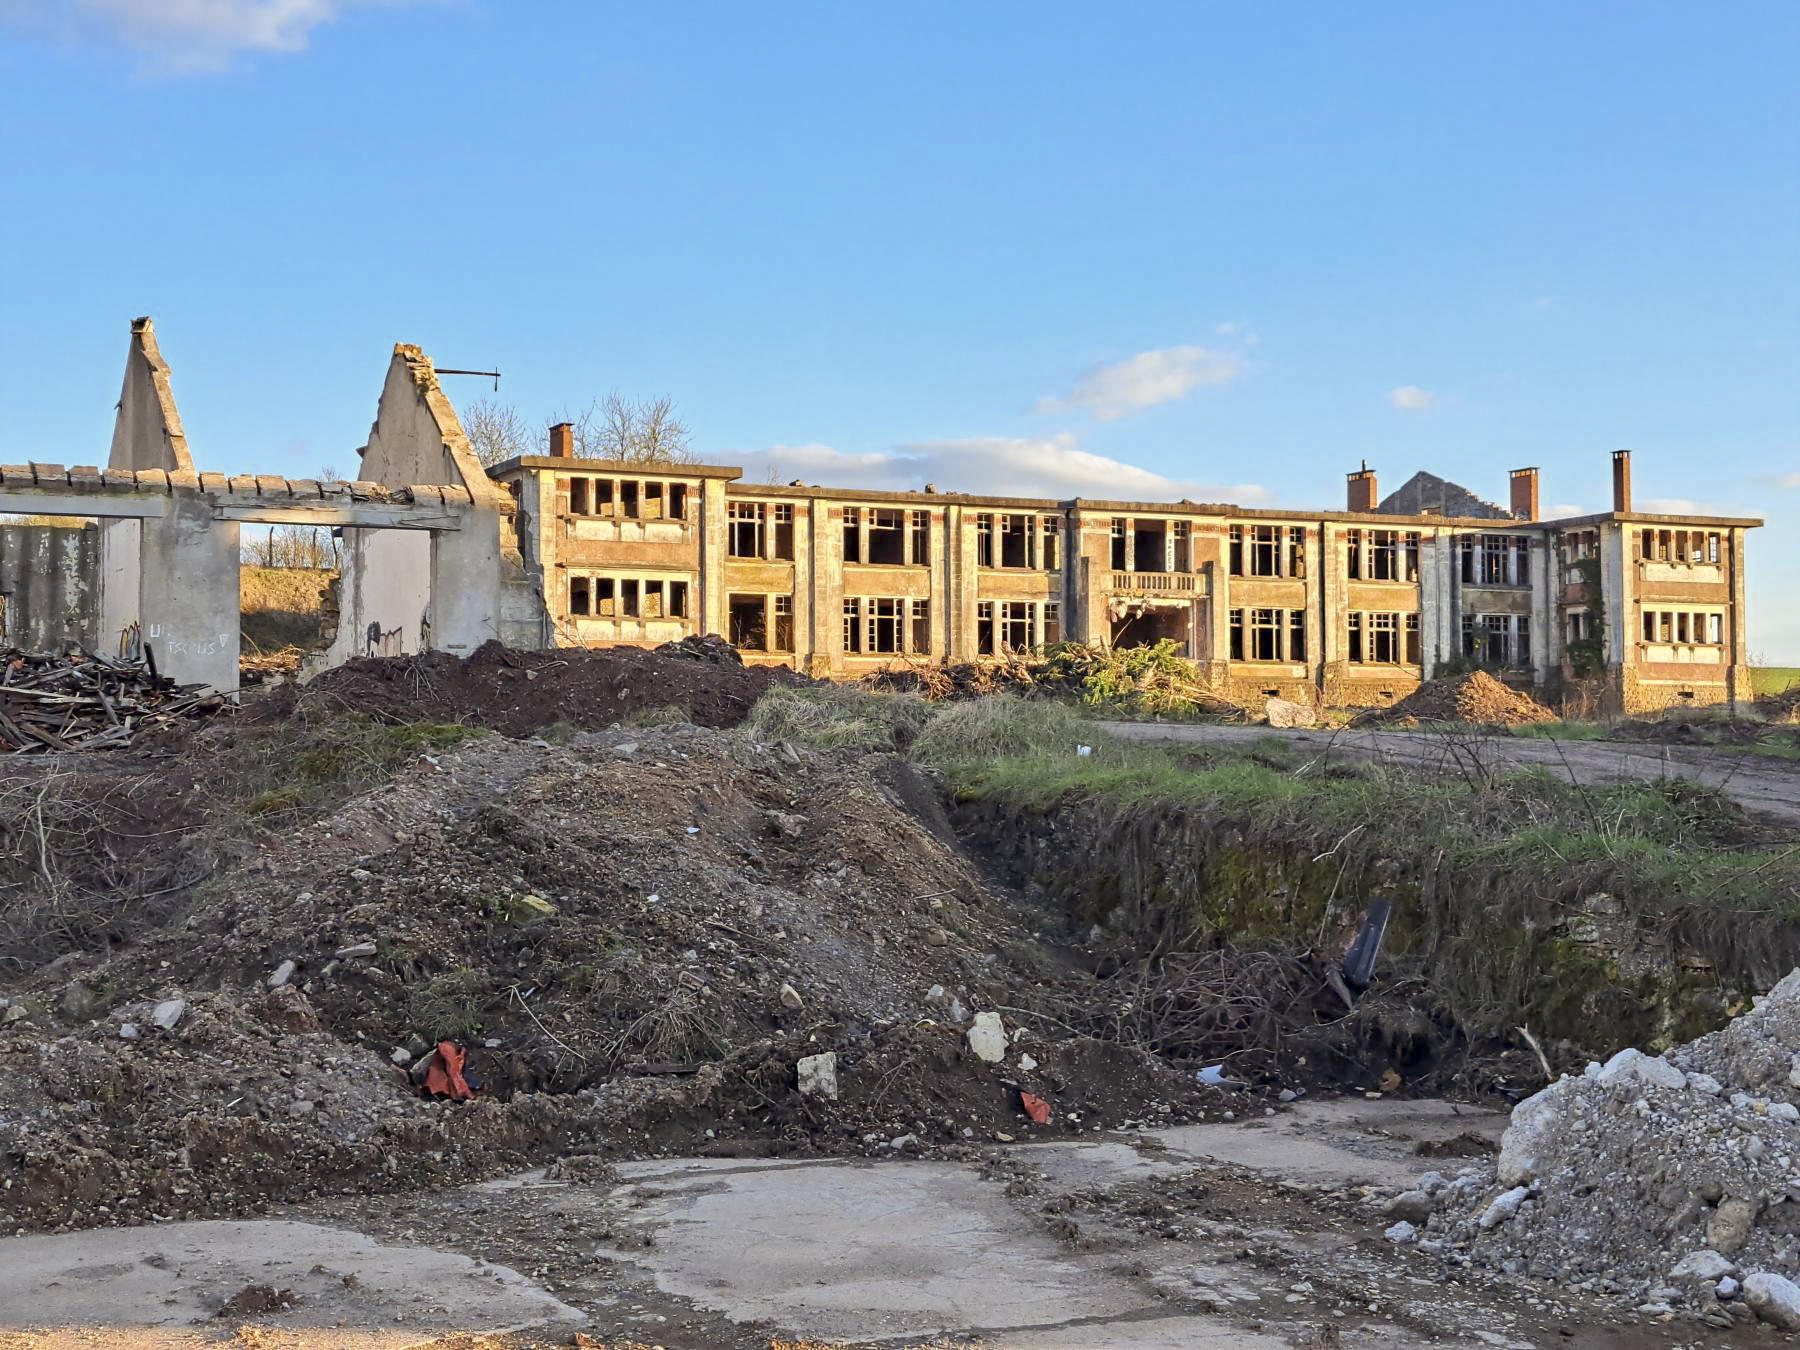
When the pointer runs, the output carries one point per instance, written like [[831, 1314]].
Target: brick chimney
[[1525, 494], [1360, 489], [562, 441], [1622, 481]]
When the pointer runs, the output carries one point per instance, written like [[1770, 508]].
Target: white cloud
[[1411, 398], [990, 465], [1147, 379], [184, 36], [1670, 506], [1564, 512], [1788, 480]]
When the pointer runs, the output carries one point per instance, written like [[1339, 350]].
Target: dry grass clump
[[837, 717]]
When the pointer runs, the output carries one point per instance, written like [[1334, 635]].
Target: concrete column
[[1546, 632], [188, 594], [1131, 543], [805, 583], [119, 571], [940, 558], [714, 616], [1737, 680], [1618, 588], [828, 590], [465, 584]]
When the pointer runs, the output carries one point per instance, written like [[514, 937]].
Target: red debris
[[444, 1077], [1035, 1107]]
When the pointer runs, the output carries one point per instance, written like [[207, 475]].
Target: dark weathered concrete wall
[[49, 586]]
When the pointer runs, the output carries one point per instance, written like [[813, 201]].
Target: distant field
[[1773, 679]]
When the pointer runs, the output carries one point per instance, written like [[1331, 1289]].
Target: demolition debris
[[85, 702]]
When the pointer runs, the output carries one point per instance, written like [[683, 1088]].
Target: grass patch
[[836, 717], [1561, 731], [667, 715], [1773, 679], [1670, 840]]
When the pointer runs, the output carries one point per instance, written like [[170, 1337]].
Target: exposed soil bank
[[1585, 969]]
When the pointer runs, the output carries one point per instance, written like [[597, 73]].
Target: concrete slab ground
[[182, 1274]]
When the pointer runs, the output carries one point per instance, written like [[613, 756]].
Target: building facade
[[1345, 608]]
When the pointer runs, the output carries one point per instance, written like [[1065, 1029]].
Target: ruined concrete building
[[1350, 607]]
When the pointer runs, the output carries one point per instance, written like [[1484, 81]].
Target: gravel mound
[[1477, 699], [1670, 1181], [520, 693]]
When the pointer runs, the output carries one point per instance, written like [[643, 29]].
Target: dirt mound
[[1782, 707], [519, 693], [636, 937], [1475, 699]]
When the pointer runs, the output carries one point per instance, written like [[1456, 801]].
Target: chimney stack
[[1622, 481], [1525, 494], [562, 441], [1360, 489]]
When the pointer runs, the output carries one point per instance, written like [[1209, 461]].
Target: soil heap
[[1671, 1179], [1474, 699], [648, 940], [519, 693]]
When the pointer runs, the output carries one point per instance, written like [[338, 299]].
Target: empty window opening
[[606, 604], [628, 499], [1265, 550], [1052, 544], [650, 505], [1149, 547], [749, 622], [1296, 635], [919, 641], [604, 495], [1384, 639], [678, 600], [579, 497], [783, 606], [984, 628], [853, 534], [744, 529], [1118, 544], [578, 595], [781, 546], [984, 540], [630, 592], [1236, 550], [1015, 539], [678, 501], [1502, 640], [1052, 623], [887, 539], [919, 546]]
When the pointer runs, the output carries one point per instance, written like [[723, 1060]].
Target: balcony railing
[[1156, 583]]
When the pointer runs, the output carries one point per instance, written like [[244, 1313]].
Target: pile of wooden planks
[[80, 701]]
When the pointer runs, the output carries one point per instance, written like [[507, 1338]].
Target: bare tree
[[640, 431], [496, 431]]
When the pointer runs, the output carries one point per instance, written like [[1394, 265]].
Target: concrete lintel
[[106, 505], [362, 515]]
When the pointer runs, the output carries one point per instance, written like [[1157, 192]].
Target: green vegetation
[[1773, 679], [1154, 681], [1561, 731], [1670, 841]]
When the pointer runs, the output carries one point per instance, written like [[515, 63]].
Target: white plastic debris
[[1084, 750]]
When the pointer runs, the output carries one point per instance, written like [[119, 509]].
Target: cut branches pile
[[81, 701]]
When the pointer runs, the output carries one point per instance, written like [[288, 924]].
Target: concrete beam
[[102, 505], [360, 515]]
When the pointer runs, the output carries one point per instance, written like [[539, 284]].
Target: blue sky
[[1211, 249]]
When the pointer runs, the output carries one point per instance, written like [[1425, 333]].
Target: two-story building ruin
[[1350, 607]]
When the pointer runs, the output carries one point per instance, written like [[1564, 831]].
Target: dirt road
[[1762, 784]]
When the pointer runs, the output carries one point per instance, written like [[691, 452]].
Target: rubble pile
[[1670, 1181], [1474, 699], [669, 939], [519, 693], [80, 701]]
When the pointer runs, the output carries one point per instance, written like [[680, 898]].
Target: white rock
[[1401, 1232], [356, 949], [168, 1013], [1784, 1111], [1283, 713], [1026, 1064], [281, 974], [400, 1055], [790, 998], [1774, 1298], [1703, 1265], [128, 1031], [1794, 1071], [1629, 1064], [901, 1141], [936, 994], [1728, 1288], [1504, 1206], [818, 1075], [987, 1038], [956, 1012], [1526, 1135], [1704, 1083]]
